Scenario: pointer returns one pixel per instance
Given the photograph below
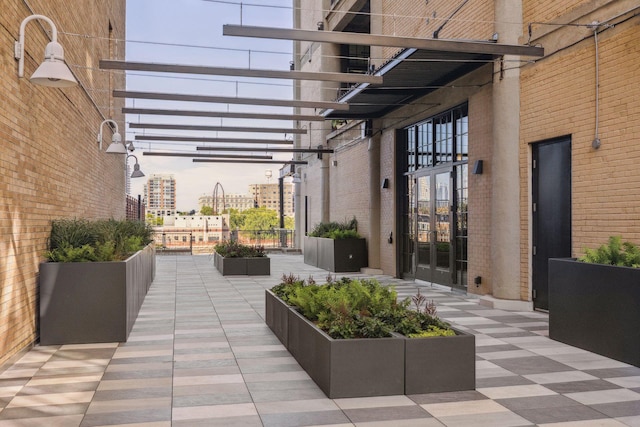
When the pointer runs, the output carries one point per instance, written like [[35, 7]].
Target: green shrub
[[357, 308], [614, 253], [336, 230], [80, 240], [233, 249]]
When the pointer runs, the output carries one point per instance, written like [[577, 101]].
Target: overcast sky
[[154, 27]]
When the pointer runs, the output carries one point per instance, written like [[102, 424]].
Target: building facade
[[160, 195], [50, 164], [239, 202], [268, 196], [483, 153]]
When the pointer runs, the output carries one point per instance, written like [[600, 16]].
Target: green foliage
[[78, 240], [614, 253], [233, 249], [206, 210], [336, 230], [433, 331], [260, 219], [357, 308]]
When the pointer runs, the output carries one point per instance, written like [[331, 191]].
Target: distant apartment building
[[197, 232], [240, 202], [268, 195], [160, 195]]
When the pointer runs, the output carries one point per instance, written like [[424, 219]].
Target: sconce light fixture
[[116, 146], [477, 167], [137, 173], [296, 178], [385, 183], [53, 71]]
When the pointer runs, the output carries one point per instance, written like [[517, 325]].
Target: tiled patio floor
[[201, 355]]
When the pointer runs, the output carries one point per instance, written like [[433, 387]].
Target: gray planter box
[[93, 302], [277, 316], [339, 256], [347, 368], [595, 307], [258, 266], [440, 364]]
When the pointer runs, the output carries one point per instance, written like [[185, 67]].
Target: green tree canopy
[[260, 219], [206, 210]]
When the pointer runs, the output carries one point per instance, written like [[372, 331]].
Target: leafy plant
[[614, 253], [233, 249], [336, 230], [357, 308], [80, 240]]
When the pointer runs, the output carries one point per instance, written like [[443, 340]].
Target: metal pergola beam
[[224, 114], [215, 128], [179, 138], [206, 156], [107, 64], [279, 162], [229, 100], [462, 46], [271, 150]]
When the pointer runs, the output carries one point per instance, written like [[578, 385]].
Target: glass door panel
[[423, 226], [442, 224]]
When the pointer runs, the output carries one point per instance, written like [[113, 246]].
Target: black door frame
[[551, 204]]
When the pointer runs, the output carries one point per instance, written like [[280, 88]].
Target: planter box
[[347, 368], [339, 256], [375, 366], [439, 364], [277, 316], [93, 302], [258, 266], [595, 307]]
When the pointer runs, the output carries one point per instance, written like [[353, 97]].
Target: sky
[[189, 32]]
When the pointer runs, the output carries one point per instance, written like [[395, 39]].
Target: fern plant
[[616, 252]]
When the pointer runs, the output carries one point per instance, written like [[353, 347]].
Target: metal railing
[[171, 242]]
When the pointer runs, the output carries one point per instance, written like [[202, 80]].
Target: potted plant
[[594, 301], [336, 247], [95, 279], [233, 258], [355, 339]]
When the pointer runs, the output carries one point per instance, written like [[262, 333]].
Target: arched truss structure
[[216, 198]]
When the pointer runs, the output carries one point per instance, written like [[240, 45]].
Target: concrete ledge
[[371, 271], [504, 304]]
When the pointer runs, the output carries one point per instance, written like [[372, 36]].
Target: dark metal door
[[551, 211]]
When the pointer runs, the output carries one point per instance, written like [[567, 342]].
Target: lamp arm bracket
[[19, 45]]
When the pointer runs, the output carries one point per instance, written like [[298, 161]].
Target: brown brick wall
[[480, 191], [558, 98], [50, 166], [388, 208], [349, 181]]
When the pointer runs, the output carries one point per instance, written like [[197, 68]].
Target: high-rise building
[[160, 195], [239, 202]]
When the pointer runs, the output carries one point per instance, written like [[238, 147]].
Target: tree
[[206, 210], [236, 219], [260, 219], [289, 223]]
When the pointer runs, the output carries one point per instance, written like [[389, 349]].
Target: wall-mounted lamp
[[137, 173], [320, 25], [296, 178], [385, 183], [116, 146], [477, 167], [53, 71]]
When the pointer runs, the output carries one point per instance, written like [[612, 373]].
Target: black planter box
[[339, 256], [375, 366], [440, 364], [258, 266], [596, 307], [93, 302], [347, 368], [277, 316]]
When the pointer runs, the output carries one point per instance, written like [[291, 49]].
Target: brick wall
[[558, 98], [50, 165]]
